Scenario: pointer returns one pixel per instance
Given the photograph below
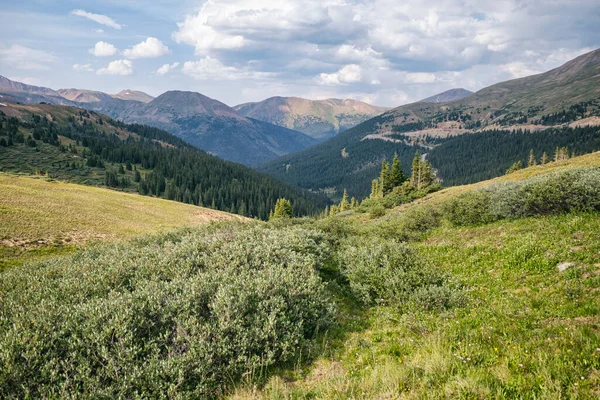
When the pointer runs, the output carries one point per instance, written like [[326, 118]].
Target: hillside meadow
[[41, 216], [487, 291]]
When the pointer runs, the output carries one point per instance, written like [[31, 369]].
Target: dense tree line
[[163, 165], [343, 162], [479, 156]]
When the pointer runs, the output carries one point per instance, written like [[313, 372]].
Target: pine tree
[[353, 203], [283, 209], [374, 189], [385, 179], [544, 159], [417, 170], [515, 167], [397, 176], [427, 175], [344, 204], [532, 161], [334, 210]]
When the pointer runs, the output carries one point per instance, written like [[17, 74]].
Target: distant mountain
[[211, 126], [204, 122], [319, 119], [13, 91], [134, 95], [94, 96], [554, 102], [448, 95], [81, 146], [84, 96]]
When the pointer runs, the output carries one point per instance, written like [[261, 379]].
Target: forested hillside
[[343, 162], [559, 108], [346, 162], [476, 157], [85, 147]]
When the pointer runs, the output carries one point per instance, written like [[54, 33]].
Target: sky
[[385, 52]]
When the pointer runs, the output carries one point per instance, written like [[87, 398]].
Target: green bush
[[471, 208], [413, 224], [178, 315], [388, 272], [574, 190], [377, 210]]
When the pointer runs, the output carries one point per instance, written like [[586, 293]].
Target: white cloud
[[211, 68], [401, 45], [103, 49], [117, 67], [83, 67], [166, 68], [149, 48], [350, 73], [99, 18], [99, 30], [21, 57]]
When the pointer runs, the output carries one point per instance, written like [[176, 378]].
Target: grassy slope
[[588, 160], [61, 214], [528, 332]]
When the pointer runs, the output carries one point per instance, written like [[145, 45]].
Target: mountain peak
[[319, 119], [83, 95], [135, 95], [193, 103], [448, 95]]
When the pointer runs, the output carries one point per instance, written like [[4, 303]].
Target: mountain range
[[320, 119], [252, 134], [258, 133], [485, 123], [201, 121]]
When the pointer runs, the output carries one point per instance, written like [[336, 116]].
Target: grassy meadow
[[41, 216], [489, 291]]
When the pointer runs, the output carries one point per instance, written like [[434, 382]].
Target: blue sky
[[386, 52]]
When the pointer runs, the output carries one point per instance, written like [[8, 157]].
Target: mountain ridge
[[319, 119], [200, 120], [555, 102], [448, 95]]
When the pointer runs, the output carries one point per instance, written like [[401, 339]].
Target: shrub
[[183, 315], [387, 272], [575, 190], [471, 208], [412, 224], [437, 297], [376, 211]]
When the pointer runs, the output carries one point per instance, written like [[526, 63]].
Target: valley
[[248, 200]]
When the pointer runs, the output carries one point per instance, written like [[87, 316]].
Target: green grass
[[528, 331], [41, 216]]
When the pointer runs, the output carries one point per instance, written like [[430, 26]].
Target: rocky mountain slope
[[12, 91], [319, 119], [84, 96], [212, 126], [135, 95]]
